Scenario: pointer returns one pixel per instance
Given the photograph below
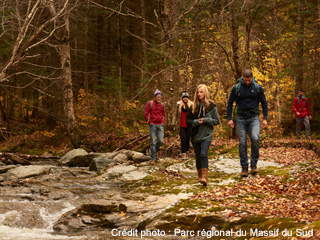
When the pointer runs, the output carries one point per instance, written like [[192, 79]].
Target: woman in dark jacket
[[180, 116], [201, 118]]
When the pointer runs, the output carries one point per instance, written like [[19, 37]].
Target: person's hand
[[200, 120], [310, 117], [172, 127], [264, 123], [231, 124], [298, 113]]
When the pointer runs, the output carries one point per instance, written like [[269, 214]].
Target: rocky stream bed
[[121, 195]]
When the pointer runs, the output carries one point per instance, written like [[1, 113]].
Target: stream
[[30, 207], [56, 202]]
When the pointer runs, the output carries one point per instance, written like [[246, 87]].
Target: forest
[[80, 72], [75, 77]]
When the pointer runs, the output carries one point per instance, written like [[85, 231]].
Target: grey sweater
[[203, 132]]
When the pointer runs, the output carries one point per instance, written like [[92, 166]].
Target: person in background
[[181, 113], [155, 115], [248, 94], [201, 118], [301, 109]]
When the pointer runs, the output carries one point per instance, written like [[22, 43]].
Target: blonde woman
[[181, 113], [201, 118]]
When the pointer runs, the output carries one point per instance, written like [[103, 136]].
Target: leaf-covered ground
[[285, 197], [289, 192]]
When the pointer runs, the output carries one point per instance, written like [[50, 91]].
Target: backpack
[[238, 85], [303, 99]]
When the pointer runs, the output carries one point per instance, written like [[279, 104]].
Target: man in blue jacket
[[248, 94]]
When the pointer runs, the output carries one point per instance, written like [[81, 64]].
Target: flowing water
[[13, 225], [29, 209]]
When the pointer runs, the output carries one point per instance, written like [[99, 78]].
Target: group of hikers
[[198, 117]]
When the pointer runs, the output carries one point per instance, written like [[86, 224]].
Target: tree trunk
[[100, 44], [278, 91], [248, 25], [67, 93], [144, 38], [170, 39], [196, 54], [119, 56], [300, 42], [85, 57], [235, 42]]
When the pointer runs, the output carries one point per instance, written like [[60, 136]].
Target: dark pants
[[306, 122], [201, 150], [185, 139]]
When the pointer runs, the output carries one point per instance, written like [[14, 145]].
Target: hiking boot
[[153, 162], [254, 170], [199, 174], [204, 178], [244, 172], [184, 156]]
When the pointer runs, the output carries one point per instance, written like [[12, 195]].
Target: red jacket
[[156, 114], [303, 107]]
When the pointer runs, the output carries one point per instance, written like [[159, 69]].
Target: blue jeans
[[155, 131], [201, 150], [253, 125]]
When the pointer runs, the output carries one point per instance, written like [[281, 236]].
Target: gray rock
[[27, 171], [138, 157], [108, 155], [99, 163], [123, 214], [134, 175], [100, 206], [81, 160], [121, 169], [6, 168], [121, 158], [73, 153], [128, 153]]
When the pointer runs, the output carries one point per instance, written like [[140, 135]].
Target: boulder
[[140, 157], [27, 171], [121, 158], [6, 168], [100, 206], [89, 216], [120, 214], [82, 160], [99, 163], [73, 153]]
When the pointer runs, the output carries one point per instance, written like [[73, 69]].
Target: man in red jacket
[[301, 109], [154, 114]]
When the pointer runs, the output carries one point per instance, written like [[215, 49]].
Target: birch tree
[[32, 28]]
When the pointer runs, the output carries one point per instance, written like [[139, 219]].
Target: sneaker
[[244, 172], [254, 170]]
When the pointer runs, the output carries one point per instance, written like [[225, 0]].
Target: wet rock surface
[[110, 191]]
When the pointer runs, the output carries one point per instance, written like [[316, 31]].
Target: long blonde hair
[[189, 103], [207, 100]]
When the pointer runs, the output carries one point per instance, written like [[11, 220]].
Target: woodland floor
[[283, 198]]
